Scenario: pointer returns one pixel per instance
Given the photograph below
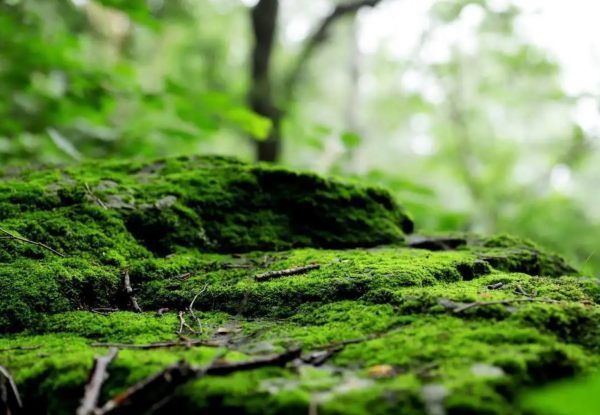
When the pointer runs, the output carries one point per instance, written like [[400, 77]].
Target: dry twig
[[286, 272], [28, 241], [10, 400], [159, 345], [191, 308], [93, 196], [158, 388], [98, 375], [129, 291], [520, 290], [183, 323], [476, 304], [495, 286]]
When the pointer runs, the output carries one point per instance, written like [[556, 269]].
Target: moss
[[207, 203], [207, 226]]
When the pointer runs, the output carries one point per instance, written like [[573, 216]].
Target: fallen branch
[[495, 286], [476, 304], [98, 375], [95, 198], [191, 308], [184, 276], [160, 387], [183, 323], [28, 241], [520, 290], [159, 345], [10, 400], [105, 311], [323, 353], [286, 272], [129, 291], [225, 368]]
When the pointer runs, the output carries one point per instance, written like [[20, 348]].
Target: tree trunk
[[264, 22]]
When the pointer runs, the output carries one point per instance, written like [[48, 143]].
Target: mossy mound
[[116, 210], [382, 329]]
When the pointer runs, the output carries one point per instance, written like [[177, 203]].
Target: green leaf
[[257, 126], [351, 139]]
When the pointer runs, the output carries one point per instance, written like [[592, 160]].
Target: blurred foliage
[[482, 138], [578, 396]]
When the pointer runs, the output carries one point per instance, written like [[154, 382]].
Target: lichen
[[205, 227]]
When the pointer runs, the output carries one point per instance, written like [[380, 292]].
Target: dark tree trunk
[[264, 25]]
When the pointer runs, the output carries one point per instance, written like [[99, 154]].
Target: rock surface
[[350, 320]]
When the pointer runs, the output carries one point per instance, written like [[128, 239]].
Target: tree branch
[[98, 376], [318, 37], [25, 240], [10, 400]]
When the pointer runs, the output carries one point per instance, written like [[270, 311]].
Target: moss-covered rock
[[460, 329]]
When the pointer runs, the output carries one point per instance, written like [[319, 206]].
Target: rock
[[377, 327]]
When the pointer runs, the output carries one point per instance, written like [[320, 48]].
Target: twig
[[495, 286], [317, 38], [159, 387], [105, 311], [191, 308], [25, 240], [159, 345], [520, 290], [225, 368], [10, 400], [183, 323], [468, 306], [323, 353], [129, 291], [95, 198], [184, 276], [98, 375], [286, 272]]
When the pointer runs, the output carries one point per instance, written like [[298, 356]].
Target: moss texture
[[209, 225]]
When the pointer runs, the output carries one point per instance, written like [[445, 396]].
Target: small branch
[[183, 323], [159, 345], [10, 400], [95, 198], [286, 272], [520, 290], [161, 386], [98, 375], [184, 276], [318, 37], [191, 308], [225, 368], [145, 394], [495, 286], [25, 240], [476, 304], [129, 291], [323, 353], [105, 311]]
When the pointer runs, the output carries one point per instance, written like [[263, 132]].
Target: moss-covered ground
[[383, 328]]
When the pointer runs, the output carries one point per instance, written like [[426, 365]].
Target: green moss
[[206, 226], [207, 203]]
